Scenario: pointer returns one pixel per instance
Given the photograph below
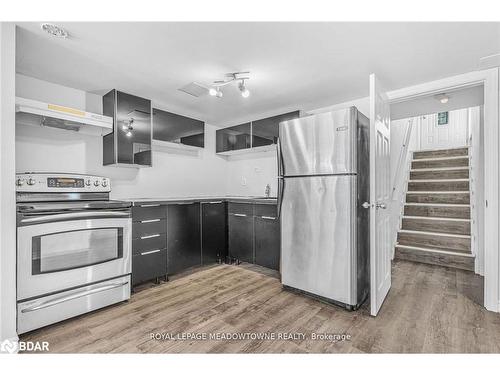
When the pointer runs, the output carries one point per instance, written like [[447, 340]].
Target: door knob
[[365, 205], [381, 205]]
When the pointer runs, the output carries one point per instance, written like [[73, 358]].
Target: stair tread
[[440, 251], [443, 258], [454, 235]]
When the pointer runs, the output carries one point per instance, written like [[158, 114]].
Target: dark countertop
[[174, 200]]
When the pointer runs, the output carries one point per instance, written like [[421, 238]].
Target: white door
[[452, 133], [380, 241]]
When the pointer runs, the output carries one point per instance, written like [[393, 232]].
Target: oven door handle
[[74, 215], [84, 293]]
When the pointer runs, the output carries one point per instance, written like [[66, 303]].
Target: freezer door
[[318, 236], [319, 144]]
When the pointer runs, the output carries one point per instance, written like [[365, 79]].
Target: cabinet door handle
[[150, 205], [151, 252], [150, 221], [268, 217], [240, 215], [214, 202], [150, 236]]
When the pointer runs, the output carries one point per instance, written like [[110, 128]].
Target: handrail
[[402, 156]]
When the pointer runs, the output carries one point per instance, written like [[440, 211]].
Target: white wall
[[250, 173], [7, 183]]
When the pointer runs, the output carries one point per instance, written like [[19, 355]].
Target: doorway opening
[[437, 182]]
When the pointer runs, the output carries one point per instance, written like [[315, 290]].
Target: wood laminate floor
[[429, 309]]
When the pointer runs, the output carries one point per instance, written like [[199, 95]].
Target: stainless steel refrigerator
[[323, 188]]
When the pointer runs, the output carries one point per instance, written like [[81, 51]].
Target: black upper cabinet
[[171, 127], [130, 141], [266, 131], [236, 137], [258, 133]]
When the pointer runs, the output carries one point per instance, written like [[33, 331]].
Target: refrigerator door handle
[[281, 188], [279, 158]]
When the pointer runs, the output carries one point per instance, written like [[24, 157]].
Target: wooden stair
[[436, 223]]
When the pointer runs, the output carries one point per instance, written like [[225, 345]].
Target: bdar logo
[[7, 346]]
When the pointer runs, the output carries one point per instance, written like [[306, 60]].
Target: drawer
[[149, 265], [267, 210], [240, 208], [148, 212], [39, 312], [150, 243], [148, 227]]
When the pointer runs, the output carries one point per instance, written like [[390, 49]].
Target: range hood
[[35, 113]]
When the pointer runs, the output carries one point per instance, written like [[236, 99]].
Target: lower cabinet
[[267, 242], [213, 232], [240, 231], [170, 238], [148, 265], [183, 237], [149, 242]]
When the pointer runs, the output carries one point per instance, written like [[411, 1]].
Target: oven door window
[[75, 249]]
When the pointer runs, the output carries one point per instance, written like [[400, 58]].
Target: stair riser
[[448, 174], [438, 186], [446, 260], [430, 241], [441, 198], [440, 153], [438, 211], [445, 163], [438, 226]]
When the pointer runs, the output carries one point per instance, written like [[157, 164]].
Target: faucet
[[268, 191]]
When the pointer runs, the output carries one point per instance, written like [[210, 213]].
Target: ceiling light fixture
[[443, 98], [212, 91], [54, 30]]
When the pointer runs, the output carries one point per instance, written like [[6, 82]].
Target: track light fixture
[[127, 127], [240, 77]]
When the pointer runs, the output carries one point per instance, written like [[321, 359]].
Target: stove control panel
[[61, 182]]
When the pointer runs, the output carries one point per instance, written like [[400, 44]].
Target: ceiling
[[292, 65]]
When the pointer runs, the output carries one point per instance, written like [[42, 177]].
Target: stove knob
[[31, 181], [87, 183], [96, 183], [19, 182], [104, 183]]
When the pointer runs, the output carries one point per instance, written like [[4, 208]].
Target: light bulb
[[212, 91], [124, 127], [244, 91], [128, 134], [219, 94], [444, 100]]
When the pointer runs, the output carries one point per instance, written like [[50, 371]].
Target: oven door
[[56, 253]]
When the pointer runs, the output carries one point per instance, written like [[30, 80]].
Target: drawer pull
[[151, 252], [268, 217], [150, 205], [150, 236], [214, 202], [150, 221], [240, 215]]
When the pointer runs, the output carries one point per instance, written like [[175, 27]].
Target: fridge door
[[318, 236], [319, 144]]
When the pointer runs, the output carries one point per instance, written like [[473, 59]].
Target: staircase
[[436, 223]]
